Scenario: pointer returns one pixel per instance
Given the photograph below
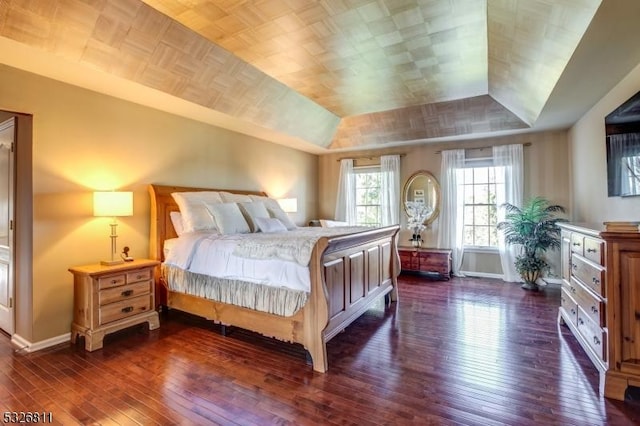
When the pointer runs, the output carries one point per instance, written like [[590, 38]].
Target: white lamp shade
[[289, 205], [112, 203]]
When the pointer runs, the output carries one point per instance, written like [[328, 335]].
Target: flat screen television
[[623, 149]]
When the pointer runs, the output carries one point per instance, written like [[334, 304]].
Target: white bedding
[[223, 256]]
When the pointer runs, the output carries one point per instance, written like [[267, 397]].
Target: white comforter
[[279, 259]]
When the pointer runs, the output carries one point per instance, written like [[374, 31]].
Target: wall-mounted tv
[[623, 149]]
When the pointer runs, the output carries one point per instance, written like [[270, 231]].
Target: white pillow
[[253, 210], [229, 218], [229, 197], [195, 216], [279, 214], [270, 225], [176, 220], [269, 203], [332, 223]]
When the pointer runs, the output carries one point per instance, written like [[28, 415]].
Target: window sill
[[475, 249]]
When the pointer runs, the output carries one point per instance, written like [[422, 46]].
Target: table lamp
[[113, 204]]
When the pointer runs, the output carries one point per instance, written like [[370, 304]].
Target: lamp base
[[111, 262]]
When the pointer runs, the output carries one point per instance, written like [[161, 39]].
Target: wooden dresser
[[600, 301], [429, 261], [111, 298]]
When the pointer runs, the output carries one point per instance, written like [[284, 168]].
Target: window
[[480, 186], [368, 210]]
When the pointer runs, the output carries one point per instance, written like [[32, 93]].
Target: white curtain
[[451, 219], [346, 199], [508, 160], [390, 189]]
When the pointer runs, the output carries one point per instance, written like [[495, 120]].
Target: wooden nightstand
[[429, 261], [111, 298]]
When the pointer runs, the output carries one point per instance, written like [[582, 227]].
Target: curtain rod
[[487, 147], [367, 157]]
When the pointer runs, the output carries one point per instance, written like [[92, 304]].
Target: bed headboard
[[162, 204]]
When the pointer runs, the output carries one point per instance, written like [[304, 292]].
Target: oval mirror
[[422, 187]]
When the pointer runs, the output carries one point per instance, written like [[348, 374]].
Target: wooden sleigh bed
[[348, 273]]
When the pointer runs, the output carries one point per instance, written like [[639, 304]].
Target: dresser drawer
[[139, 275], [112, 281], [595, 336], [125, 308], [116, 294], [577, 243], [594, 250], [592, 305], [569, 306], [588, 273]]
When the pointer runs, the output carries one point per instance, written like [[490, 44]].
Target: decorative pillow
[[195, 216], [228, 218], [176, 220], [332, 223], [228, 197], [253, 210], [279, 214], [270, 225]]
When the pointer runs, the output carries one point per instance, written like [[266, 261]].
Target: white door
[[7, 144]]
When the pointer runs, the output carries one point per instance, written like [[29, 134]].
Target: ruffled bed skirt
[[274, 300]]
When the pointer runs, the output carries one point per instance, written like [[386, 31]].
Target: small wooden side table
[[428, 261], [111, 298]]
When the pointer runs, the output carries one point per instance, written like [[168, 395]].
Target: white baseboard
[[481, 274], [23, 345]]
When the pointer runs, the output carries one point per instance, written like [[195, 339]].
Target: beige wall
[[587, 145], [83, 141], [545, 174]]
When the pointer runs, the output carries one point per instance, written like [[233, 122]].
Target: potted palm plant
[[534, 227]]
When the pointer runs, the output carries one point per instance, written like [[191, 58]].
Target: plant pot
[[530, 286]]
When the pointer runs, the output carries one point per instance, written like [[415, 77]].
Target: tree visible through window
[[480, 185], [368, 212]]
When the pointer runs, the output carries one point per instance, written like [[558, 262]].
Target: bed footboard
[[348, 274]]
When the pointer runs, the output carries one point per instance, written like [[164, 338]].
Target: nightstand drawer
[[139, 275], [117, 294], [126, 308], [112, 281]]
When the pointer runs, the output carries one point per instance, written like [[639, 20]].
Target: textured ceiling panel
[[352, 57], [530, 43], [130, 39], [392, 70], [480, 114]]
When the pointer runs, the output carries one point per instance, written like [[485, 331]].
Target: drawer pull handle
[[573, 289], [576, 244], [580, 321], [574, 266], [126, 293], [562, 299], [596, 340], [590, 250], [573, 311], [594, 309], [595, 280], [114, 281], [127, 309], [139, 277]]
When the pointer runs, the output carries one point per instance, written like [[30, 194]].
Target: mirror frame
[[407, 184]]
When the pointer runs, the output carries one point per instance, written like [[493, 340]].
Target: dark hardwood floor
[[466, 351]]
